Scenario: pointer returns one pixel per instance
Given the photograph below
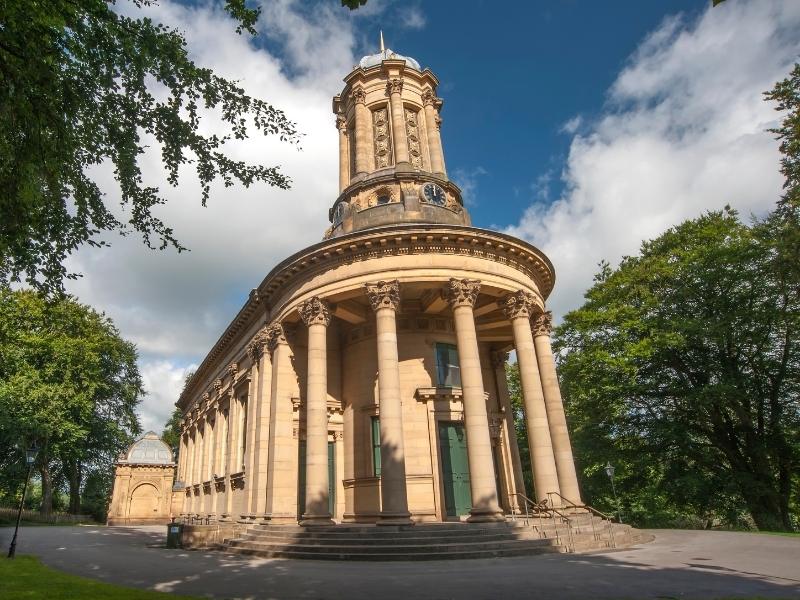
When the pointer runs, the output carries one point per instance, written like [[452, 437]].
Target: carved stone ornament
[[430, 99], [217, 384], [543, 324], [341, 123], [206, 396], [232, 369], [412, 133], [394, 86], [462, 292], [520, 304], [358, 95], [499, 359], [276, 334], [315, 311], [381, 135], [256, 346], [384, 294]]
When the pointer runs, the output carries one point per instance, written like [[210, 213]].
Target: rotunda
[[363, 380]]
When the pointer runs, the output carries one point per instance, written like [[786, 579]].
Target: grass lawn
[[25, 578]]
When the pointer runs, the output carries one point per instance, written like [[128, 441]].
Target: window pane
[[376, 446], [448, 372]]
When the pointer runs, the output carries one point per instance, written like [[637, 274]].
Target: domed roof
[[388, 54], [148, 449]]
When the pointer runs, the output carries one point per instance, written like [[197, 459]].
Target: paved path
[[679, 564]]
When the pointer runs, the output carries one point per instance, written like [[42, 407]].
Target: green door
[[455, 468], [301, 480]]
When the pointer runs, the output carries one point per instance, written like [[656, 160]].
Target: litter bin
[[174, 533]]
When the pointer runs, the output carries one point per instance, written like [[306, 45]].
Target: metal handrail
[[609, 521], [541, 508]]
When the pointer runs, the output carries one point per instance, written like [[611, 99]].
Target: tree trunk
[[47, 488], [75, 476]]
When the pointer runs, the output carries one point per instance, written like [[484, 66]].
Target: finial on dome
[[383, 49]]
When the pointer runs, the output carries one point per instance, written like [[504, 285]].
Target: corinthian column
[[567, 478], [395, 89], [518, 308], [384, 297], [316, 315], [363, 125], [344, 153], [432, 120], [461, 295]]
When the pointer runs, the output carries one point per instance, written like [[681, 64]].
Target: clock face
[[434, 194]]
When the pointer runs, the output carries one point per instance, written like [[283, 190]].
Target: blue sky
[[582, 127]]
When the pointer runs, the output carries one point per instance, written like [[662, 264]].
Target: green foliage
[[96, 494], [682, 368], [82, 84], [27, 577], [353, 4], [69, 383], [172, 432]]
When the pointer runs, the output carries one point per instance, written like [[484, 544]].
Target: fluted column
[[432, 121], [562, 449], [257, 463], [316, 315], [399, 136], [518, 308], [384, 296], [344, 153], [461, 295], [363, 125], [182, 457]]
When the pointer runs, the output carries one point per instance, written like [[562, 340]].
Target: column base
[[485, 516], [395, 519], [316, 521]]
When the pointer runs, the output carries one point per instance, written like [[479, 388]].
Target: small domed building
[[363, 380], [143, 478]]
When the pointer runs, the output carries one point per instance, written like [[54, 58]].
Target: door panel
[[301, 480], [455, 468]]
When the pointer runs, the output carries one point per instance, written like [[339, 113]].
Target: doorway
[[301, 492], [455, 468]]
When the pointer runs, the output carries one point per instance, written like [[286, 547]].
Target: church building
[[363, 381]]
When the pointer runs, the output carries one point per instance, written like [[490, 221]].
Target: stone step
[[365, 540], [378, 535], [471, 554]]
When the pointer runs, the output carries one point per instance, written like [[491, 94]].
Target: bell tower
[[391, 163]]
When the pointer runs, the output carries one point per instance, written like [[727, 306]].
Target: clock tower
[[391, 163]]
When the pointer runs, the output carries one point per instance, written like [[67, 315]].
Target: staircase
[[577, 529]]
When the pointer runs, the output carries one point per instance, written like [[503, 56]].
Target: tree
[[82, 84], [70, 383], [172, 432], [683, 364]]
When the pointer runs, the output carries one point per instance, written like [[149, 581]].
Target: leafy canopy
[[683, 365], [83, 84]]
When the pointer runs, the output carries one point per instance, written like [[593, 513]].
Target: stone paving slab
[[678, 564]]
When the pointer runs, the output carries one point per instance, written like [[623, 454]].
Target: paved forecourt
[[685, 564]]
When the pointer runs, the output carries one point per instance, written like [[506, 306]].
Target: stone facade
[[363, 380], [143, 484]]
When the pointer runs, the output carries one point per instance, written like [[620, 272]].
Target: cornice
[[369, 244]]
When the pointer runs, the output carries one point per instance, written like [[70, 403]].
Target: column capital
[[394, 86], [232, 370], [217, 385], [341, 123], [315, 311], [542, 324], [256, 346], [499, 359], [462, 292], [518, 305], [430, 99], [276, 334], [383, 294], [358, 95]]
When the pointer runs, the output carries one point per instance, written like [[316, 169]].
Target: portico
[[363, 380]]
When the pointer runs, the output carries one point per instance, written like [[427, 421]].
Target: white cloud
[[163, 381], [412, 18], [572, 125], [175, 306], [683, 132], [467, 180]]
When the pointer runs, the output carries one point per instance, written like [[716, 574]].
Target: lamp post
[[610, 472], [30, 458]]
